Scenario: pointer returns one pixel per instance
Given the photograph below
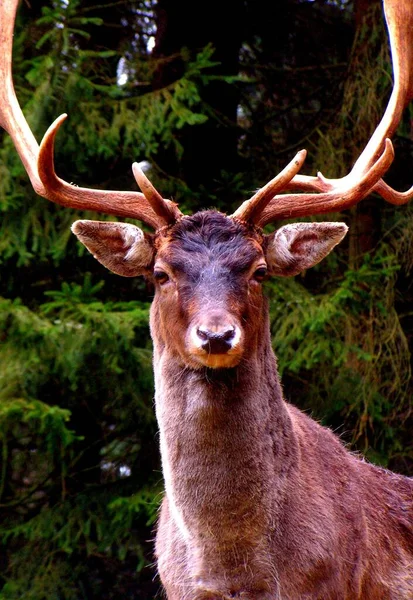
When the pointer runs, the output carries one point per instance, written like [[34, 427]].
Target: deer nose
[[216, 342]]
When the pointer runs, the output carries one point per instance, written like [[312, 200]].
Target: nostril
[[203, 334], [229, 334], [216, 342]]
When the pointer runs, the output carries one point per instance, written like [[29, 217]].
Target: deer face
[[208, 271]]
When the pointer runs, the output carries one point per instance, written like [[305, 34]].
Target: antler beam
[[324, 195], [320, 195], [148, 207]]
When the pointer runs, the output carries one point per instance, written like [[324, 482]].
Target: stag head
[[207, 270], [172, 258]]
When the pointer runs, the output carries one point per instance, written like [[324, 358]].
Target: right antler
[[148, 207], [321, 194], [333, 195]]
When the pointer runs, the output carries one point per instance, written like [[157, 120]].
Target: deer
[[261, 502]]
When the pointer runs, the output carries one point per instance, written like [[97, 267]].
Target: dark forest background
[[216, 97]]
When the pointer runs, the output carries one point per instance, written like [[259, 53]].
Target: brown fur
[[261, 502]]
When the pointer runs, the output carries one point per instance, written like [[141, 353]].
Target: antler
[[251, 209], [321, 194], [148, 207], [338, 194]]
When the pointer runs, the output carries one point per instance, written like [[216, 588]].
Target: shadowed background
[[217, 98]]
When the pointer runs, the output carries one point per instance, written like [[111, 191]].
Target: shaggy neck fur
[[227, 447], [262, 503]]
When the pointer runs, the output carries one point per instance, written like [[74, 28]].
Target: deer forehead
[[209, 238]]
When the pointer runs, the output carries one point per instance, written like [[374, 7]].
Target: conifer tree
[[216, 110]]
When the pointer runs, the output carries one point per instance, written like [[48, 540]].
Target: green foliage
[[347, 346], [86, 523], [100, 525], [72, 349], [64, 24], [48, 422], [131, 126], [80, 478], [161, 112]]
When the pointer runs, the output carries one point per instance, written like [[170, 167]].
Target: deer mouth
[[217, 361]]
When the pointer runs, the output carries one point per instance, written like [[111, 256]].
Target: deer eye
[[160, 276], [260, 273]]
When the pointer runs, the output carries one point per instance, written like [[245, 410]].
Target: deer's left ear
[[299, 246]]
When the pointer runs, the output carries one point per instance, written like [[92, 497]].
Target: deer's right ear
[[123, 248]]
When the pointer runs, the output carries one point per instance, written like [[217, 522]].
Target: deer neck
[[226, 444]]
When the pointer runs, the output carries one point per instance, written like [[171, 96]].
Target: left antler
[[148, 207], [324, 195], [321, 195]]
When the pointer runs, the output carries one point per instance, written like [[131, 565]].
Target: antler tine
[[393, 196], [287, 206], [333, 195], [255, 205], [168, 211], [38, 161]]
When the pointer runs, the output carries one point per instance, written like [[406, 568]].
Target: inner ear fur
[[296, 247], [121, 247]]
